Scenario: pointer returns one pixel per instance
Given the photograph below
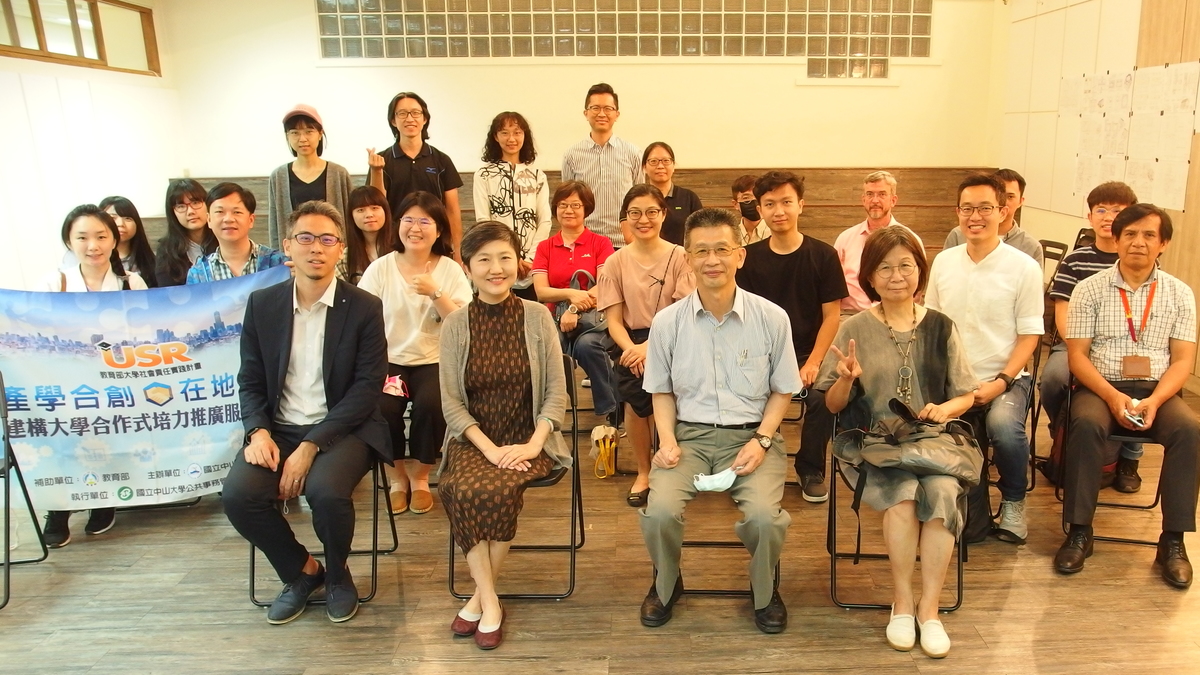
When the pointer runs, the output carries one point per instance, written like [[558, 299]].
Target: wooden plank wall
[[832, 197], [1170, 33]]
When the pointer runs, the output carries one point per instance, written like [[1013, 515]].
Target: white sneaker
[[1012, 527], [934, 641], [901, 631], [586, 384]]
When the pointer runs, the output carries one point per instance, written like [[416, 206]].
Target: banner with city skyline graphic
[[125, 398]]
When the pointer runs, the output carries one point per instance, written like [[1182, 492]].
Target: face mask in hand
[[718, 482], [750, 210]]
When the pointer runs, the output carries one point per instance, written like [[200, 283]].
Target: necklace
[[905, 372]]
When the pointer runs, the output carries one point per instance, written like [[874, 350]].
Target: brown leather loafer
[[1172, 556], [654, 612], [1076, 549]]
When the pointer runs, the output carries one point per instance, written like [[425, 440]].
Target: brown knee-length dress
[[482, 500]]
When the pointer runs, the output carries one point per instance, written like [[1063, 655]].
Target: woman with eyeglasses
[[419, 284], [658, 161], [372, 236], [899, 349], [565, 270], [308, 177], [134, 246], [508, 189], [188, 235], [412, 164], [638, 281]]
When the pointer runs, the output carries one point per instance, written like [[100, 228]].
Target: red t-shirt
[[559, 262]]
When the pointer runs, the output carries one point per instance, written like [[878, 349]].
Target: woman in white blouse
[[419, 284], [92, 235], [509, 190]]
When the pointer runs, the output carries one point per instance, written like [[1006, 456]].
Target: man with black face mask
[[878, 198], [753, 228]]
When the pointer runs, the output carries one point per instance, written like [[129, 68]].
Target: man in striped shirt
[[1104, 202], [231, 217], [607, 164]]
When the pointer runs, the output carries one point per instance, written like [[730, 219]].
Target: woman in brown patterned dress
[[503, 395]]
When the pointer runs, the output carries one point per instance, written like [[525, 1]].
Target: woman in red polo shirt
[[565, 269]]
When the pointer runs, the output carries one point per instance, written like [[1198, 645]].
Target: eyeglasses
[[409, 221], [967, 211], [295, 134], [1102, 212], [721, 251], [597, 109], [636, 215], [183, 207], [572, 206], [884, 194], [659, 162], [887, 271], [307, 239], [405, 114]]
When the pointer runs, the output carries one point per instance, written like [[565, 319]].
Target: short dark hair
[[983, 180], [1008, 176], [656, 144], [773, 180], [295, 121], [431, 204], [1135, 212], [1112, 192], [86, 210], [877, 247], [392, 114], [357, 257], [491, 148], [574, 187], [601, 88], [744, 183], [711, 217], [223, 190], [486, 232], [643, 190], [317, 207]]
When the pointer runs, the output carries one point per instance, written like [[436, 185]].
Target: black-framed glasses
[[308, 238], [405, 114], [636, 215], [968, 211]]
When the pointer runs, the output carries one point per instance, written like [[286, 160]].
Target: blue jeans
[[591, 351], [1055, 375], [1005, 423]]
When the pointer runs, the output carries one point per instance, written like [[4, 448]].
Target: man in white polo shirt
[[993, 292], [878, 198]]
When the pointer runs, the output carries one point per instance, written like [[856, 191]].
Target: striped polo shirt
[[609, 170]]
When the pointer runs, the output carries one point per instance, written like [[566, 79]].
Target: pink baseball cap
[[306, 110]]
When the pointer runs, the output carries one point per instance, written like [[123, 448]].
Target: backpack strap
[[859, 488]]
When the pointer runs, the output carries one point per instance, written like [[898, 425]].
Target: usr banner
[[125, 398]]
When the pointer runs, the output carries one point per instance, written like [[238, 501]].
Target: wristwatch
[[572, 309], [437, 294], [1008, 381], [763, 440]]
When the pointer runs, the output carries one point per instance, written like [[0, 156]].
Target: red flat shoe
[[489, 641], [463, 628]]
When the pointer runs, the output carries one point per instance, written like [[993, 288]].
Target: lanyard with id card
[[1136, 367]]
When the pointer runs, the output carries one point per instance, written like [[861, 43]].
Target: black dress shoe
[[341, 599], [1172, 556], [654, 612], [1076, 549], [294, 598], [773, 617], [638, 499]]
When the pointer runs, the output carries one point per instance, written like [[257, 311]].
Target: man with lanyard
[[231, 217], [878, 198], [605, 163], [1010, 232], [1104, 202], [721, 370], [993, 293], [752, 227], [1131, 341], [412, 164]]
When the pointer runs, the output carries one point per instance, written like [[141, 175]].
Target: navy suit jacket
[[354, 365]]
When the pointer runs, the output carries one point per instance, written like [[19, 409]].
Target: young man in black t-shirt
[[1104, 203], [803, 276]]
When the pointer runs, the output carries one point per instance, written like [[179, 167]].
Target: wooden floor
[[165, 592]]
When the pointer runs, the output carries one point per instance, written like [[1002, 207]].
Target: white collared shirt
[[302, 401]]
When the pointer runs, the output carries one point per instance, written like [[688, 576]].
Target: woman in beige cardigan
[[504, 402]]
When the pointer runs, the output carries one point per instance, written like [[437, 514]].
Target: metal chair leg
[[10, 468]]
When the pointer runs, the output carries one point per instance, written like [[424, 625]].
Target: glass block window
[[839, 38]]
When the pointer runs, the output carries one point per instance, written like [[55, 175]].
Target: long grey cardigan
[[545, 369], [279, 199]]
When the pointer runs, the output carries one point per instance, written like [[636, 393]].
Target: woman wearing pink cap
[[308, 177]]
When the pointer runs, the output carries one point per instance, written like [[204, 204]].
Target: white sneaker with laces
[[1012, 526]]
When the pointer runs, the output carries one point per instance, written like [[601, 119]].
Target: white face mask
[[718, 482]]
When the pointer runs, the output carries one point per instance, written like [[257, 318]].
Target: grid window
[[839, 38]]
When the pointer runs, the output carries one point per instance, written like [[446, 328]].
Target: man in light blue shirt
[[721, 369]]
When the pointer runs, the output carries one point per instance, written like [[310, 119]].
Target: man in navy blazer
[[314, 359]]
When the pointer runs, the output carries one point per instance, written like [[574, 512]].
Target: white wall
[[1049, 40]]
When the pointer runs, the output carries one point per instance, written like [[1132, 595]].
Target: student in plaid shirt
[[230, 217], [1131, 343]]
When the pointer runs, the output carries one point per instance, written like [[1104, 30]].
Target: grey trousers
[[763, 526]]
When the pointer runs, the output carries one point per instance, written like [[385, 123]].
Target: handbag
[[589, 321]]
